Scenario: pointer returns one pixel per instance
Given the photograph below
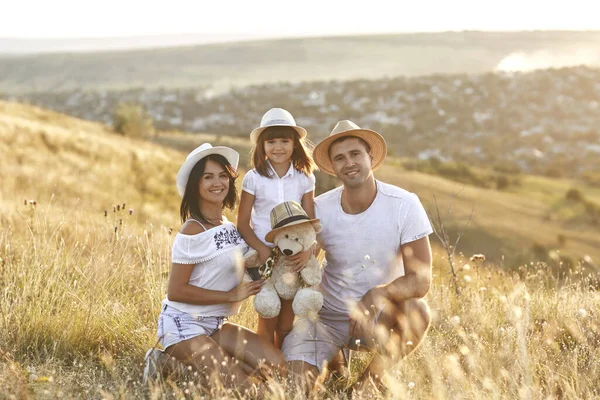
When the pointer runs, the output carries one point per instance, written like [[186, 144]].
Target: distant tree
[[553, 172], [435, 163], [540, 252], [131, 120], [502, 182], [506, 167], [574, 195]]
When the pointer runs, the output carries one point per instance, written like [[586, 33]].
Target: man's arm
[[416, 281]]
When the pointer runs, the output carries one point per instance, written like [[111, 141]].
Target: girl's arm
[[308, 203], [244, 228]]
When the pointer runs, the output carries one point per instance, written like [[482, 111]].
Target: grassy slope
[[95, 174], [76, 165], [239, 64], [79, 303], [506, 223]]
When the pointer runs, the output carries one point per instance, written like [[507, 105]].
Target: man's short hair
[[341, 139]]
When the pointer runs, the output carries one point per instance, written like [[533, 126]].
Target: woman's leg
[[285, 322], [266, 329], [247, 347], [208, 358]]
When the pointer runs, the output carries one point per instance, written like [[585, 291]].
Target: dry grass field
[[86, 223]]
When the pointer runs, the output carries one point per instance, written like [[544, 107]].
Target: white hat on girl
[[276, 117]]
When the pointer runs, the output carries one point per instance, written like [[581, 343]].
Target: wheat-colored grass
[[79, 299], [516, 219]]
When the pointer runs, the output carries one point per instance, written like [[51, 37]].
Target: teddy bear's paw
[[307, 303], [312, 274], [266, 302]]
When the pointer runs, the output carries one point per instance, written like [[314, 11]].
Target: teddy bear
[[292, 232]]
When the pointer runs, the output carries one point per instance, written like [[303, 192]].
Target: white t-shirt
[[361, 249], [218, 257], [269, 192]]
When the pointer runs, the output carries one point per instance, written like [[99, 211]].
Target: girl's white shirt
[[269, 192], [217, 255]]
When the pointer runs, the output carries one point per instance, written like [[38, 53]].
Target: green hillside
[[331, 58]]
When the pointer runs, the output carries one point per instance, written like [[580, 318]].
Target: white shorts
[[175, 326], [317, 342]]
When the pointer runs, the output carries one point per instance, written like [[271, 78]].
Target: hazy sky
[[268, 18]]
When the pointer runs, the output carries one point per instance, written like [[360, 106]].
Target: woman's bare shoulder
[[192, 227]]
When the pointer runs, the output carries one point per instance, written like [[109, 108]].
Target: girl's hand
[[244, 290], [264, 252], [300, 260]]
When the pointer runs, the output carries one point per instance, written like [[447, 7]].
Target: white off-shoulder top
[[217, 255]]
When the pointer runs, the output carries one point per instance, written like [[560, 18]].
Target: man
[[378, 257]]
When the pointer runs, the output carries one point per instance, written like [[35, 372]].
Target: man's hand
[[300, 260], [245, 290], [366, 313]]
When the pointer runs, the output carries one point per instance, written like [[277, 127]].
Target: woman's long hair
[[301, 157], [190, 203]]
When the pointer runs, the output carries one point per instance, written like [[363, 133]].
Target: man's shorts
[[175, 326], [317, 342]]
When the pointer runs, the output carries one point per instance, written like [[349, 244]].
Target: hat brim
[[374, 139], [254, 135], [269, 237], [184, 172]]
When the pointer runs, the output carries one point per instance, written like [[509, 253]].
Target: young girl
[[282, 171], [205, 283]]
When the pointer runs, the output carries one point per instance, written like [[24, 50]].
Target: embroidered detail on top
[[227, 236]]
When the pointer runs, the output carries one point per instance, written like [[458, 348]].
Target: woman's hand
[[300, 260], [244, 290]]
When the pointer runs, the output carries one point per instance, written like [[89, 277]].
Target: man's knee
[[302, 374], [418, 315], [299, 367], [413, 317]]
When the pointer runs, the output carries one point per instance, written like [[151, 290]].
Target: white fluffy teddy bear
[[292, 232]]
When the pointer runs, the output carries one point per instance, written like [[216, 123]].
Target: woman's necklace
[[214, 221]]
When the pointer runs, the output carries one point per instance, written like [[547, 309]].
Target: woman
[[205, 283]]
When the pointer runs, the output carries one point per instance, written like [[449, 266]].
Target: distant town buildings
[[536, 120]]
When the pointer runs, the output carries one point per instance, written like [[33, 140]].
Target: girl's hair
[[190, 203], [301, 157]]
